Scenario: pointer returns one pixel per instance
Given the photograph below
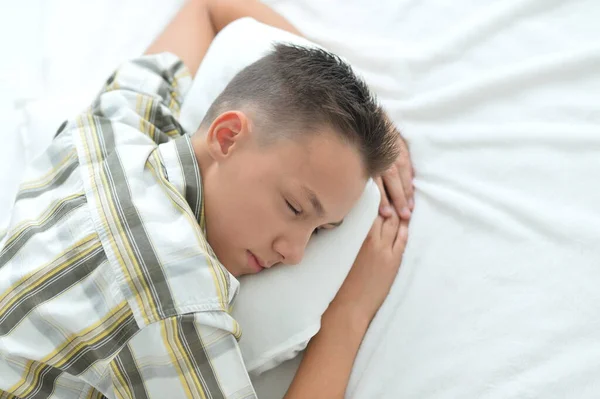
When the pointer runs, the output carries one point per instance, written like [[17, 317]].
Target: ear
[[226, 133]]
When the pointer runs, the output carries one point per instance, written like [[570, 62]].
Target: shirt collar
[[183, 172], [181, 167]]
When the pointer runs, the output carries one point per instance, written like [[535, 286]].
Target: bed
[[500, 102]]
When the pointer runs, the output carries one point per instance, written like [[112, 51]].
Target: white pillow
[[279, 309]]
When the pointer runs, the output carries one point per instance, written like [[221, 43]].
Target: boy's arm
[[329, 357], [190, 33]]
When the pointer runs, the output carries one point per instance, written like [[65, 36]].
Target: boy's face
[[262, 204]]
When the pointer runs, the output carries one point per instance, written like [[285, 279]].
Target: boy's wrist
[[356, 300], [348, 314]]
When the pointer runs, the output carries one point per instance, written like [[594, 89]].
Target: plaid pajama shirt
[[108, 287]]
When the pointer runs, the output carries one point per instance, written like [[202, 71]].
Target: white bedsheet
[[500, 100]]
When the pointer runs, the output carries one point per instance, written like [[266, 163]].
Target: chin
[[237, 274], [232, 270], [241, 272], [235, 269]]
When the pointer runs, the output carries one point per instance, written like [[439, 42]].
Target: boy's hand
[[396, 185], [375, 267]]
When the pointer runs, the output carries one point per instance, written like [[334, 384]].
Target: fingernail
[[387, 210]]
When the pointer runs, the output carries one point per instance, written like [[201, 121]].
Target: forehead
[[325, 165]]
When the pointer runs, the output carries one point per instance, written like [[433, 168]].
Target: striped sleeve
[[146, 94], [185, 356]]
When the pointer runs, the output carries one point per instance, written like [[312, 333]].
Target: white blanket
[[500, 100]]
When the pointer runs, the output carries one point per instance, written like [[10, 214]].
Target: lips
[[259, 260], [254, 262]]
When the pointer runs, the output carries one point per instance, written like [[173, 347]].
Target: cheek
[[256, 217], [247, 214]]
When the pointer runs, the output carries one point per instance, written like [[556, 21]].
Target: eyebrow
[[314, 200]]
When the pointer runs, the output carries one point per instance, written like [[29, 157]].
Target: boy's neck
[[203, 157]]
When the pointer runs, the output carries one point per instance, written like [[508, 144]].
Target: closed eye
[[296, 212]]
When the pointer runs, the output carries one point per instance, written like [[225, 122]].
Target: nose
[[291, 248]]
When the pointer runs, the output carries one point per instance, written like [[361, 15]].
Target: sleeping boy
[[119, 267]]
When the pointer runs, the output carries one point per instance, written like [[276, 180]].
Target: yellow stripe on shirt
[[146, 302], [51, 174], [30, 282], [71, 347], [121, 387], [18, 229], [105, 222], [180, 359], [89, 337]]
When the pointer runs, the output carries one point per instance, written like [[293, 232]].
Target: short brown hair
[[299, 88]]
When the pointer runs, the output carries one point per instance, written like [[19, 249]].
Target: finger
[[384, 204], [393, 186], [408, 188], [401, 237], [376, 227], [406, 173], [389, 229]]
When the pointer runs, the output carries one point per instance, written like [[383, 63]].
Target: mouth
[[254, 262]]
